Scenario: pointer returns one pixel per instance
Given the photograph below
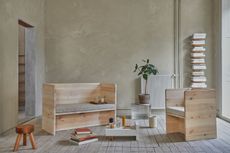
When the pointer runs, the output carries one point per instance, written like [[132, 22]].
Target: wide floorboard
[[150, 140]]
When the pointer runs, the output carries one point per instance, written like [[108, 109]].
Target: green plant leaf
[[147, 60], [140, 73], [145, 76], [146, 69], [136, 67], [151, 65]]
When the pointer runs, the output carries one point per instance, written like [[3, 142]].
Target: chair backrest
[[175, 97]]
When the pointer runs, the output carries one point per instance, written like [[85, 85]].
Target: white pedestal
[[140, 111]]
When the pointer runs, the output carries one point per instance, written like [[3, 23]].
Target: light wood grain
[[200, 114], [54, 94], [174, 97], [48, 109], [174, 124], [199, 121], [71, 121]]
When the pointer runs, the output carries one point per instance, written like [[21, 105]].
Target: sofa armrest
[[200, 114], [48, 109], [198, 100]]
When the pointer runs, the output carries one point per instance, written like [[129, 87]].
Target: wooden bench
[[191, 112], [67, 106]]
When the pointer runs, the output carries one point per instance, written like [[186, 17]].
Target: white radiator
[[156, 88]]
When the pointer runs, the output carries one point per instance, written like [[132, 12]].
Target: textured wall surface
[[31, 11], [100, 41], [197, 16]]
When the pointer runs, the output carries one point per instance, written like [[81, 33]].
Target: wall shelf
[[198, 79]]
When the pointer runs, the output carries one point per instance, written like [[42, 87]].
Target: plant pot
[[144, 98]]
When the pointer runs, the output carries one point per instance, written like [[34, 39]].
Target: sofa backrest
[[68, 93]]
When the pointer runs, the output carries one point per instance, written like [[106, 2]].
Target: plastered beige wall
[[197, 16], [31, 11], [100, 41]]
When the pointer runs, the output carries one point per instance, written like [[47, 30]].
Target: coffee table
[[121, 132]]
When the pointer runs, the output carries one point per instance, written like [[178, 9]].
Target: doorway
[[26, 72], [225, 62]]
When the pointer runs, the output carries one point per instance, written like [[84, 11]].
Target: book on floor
[[83, 131], [83, 137], [83, 142]]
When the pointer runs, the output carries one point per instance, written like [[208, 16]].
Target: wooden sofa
[[191, 112], [66, 106]]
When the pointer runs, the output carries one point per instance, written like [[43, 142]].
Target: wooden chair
[[191, 112], [23, 130]]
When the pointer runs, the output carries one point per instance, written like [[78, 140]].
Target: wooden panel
[[21, 68], [200, 114], [74, 85], [174, 97], [21, 43], [174, 124], [48, 109], [109, 92], [21, 59], [21, 78], [76, 93], [83, 120]]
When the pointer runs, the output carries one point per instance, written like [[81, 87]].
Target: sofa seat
[[176, 110], [82, 107]]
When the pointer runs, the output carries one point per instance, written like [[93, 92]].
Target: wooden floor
[[149, 140]]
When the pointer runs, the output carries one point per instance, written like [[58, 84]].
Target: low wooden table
[[121, 132]]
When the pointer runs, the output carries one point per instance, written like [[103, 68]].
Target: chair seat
[[177, 111], [82, 107], [25, 129]]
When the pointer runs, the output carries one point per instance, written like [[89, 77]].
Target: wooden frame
[[54, 94], [199, 120]]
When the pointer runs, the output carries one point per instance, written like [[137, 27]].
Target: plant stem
[[146, 81]]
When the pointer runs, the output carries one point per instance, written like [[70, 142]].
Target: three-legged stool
[[23, 130]]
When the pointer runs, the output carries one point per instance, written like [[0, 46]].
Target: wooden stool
[[24, 130]]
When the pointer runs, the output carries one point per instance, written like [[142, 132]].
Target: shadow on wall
[[187, 69]]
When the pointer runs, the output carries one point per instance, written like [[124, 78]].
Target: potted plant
[[145, 71]]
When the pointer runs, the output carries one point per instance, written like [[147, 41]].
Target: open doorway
[[225, 62], [26, 72]]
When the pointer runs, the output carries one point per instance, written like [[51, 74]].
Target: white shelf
[[198, 36], [199, 55], [198, 79]]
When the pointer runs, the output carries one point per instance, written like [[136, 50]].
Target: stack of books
[[198, 60], [83, 136]]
